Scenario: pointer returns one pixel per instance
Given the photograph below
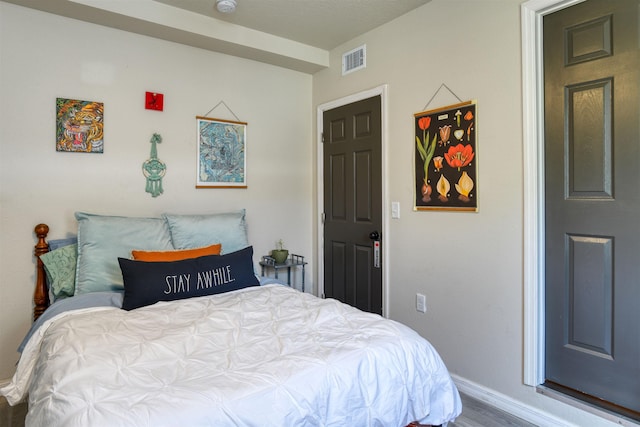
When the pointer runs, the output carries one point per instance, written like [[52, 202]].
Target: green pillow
[[60, 267]]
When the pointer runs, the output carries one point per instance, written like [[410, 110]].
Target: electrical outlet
[[421, 303]]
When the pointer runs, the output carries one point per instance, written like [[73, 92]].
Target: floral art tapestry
[[446, 158], [79, 126], [222, 155]]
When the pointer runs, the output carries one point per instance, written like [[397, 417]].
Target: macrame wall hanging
[[154, 169]]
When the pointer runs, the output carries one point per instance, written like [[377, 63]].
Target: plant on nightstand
[[280, 254]]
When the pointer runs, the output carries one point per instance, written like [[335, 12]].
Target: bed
[[134, 339]]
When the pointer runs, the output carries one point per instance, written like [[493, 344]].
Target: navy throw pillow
[[146, 283]]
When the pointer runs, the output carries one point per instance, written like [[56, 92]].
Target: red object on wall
[[154, 101]]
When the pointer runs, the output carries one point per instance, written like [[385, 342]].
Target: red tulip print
[[426, 149], [424, 122], [459, 156]]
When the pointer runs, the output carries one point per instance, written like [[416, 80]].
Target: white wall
[[44, 56], [469, 265]]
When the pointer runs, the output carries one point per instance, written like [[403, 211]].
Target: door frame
[[350, 99], [532, 13]]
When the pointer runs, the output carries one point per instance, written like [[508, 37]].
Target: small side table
[[293, 261]]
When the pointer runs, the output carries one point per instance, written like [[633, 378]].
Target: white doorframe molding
[[382, 92], [532, 13]]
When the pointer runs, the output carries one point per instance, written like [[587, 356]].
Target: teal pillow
[[102, 239], [60, 267], [193, 231]]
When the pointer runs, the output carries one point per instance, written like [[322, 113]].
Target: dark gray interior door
[[353, 203], [592, 201]]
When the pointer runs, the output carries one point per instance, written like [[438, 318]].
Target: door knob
[[374, 235]]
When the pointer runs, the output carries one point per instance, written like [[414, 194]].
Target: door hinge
[[323, 217], [322, 136]]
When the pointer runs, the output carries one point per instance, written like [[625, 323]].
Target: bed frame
[[41, 293]]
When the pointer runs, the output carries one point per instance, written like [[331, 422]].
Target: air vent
[[354, 60]]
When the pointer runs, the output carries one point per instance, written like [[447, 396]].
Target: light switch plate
[[421, 303], [395, 210]]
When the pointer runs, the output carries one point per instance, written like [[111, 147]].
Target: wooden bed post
[[41, 294]]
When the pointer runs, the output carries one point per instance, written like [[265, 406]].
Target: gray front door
[[592, 201], [352, 159]]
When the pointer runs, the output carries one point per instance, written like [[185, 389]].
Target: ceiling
[[321, 23], [296, 34]]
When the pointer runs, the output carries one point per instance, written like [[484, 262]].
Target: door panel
[[337, 180], [335, 285], [592, 200], [353, 203], [590, 300], [589, 142], [363, 256], [363, 191]]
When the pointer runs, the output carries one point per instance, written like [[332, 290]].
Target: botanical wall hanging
[[222, 159], [446, 158], [79, 126]]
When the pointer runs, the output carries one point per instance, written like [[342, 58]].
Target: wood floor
[[12, 416], [474, 414], [478, 414]]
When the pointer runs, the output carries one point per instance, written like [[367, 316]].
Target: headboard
[[41, 293]]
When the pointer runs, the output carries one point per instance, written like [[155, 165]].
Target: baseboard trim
[[507, 404]]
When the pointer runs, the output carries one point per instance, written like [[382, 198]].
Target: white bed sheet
[[261, 356]]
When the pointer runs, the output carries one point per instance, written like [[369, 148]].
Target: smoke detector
[[226, 6]]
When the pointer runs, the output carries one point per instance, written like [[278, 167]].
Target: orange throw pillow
[[177, 255]]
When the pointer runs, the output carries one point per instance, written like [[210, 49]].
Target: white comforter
[[261, 356]]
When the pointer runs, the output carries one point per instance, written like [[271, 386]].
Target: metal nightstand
[[292, 262]]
